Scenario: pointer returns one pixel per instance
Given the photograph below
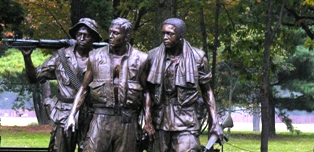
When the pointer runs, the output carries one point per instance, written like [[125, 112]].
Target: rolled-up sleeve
[[47, 70]]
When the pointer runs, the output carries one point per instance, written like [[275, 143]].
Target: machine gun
[[227, 123], [44, 43]]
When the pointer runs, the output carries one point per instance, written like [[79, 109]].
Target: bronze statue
[[178, 74], [67, 66], [114, 81]]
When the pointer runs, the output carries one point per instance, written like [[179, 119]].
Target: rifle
[[44, 43], [227, 123]]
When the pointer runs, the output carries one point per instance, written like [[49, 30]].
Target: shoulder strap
[[73, 78]]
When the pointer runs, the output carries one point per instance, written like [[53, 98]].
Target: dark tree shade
[[11, 12]]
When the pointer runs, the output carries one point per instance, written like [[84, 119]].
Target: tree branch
[[54, 17], [228, 16], [302, 23], [279, 21]]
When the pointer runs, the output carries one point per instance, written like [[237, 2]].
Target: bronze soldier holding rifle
[[177, 74], [67, 66]]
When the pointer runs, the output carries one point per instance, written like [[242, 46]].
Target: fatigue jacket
[[129, 89], [52, 69], [177, 111]]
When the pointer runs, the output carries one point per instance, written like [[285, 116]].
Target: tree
[[11, 13], [13, 79], [99, 10], [239, 43], [244, 45], [163, 10], [269, 37], [297, 80], [46, 19]]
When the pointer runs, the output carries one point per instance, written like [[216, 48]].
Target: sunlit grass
[[251, 141], [239, 141], [22, 138]]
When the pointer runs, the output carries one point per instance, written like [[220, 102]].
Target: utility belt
[[64, 99], [171, 100], [116, 111]]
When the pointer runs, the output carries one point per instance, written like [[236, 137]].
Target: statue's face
[[170, 37], [83, 38], [117, 36]]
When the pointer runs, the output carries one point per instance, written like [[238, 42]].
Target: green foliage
[[12, 63], [13, 77], [285, 119], [241, 38], [102, 13], [298, 80], [309, 2], [46, 19], [12, 13]]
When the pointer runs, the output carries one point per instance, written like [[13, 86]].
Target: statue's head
[[125, 25], [179, 25], [90, 24]]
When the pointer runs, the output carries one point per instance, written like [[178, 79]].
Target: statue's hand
[[26, 51], [149, 129], [217, 129], [70, 123]]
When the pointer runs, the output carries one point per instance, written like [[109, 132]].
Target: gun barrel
[[45, 43]]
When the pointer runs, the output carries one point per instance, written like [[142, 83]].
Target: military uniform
[[61, 104], [174, 90], [58, 67], [114, 126]]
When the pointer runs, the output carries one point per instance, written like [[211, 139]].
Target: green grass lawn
[[283, 142], [24, 139], [26, 136], [240, 141]]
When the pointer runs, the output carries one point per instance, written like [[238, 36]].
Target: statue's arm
[[209, 99], [79, 98], [29, 66], [147, 102], [82, 92]]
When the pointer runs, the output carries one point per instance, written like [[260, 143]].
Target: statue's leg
[[162, 141], [99, 135], [185, 142]]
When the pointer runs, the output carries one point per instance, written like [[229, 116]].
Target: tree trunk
[[265, 102], [265, 83], [164, 9], [78, 10], [266, 109], [216, 44], [203, 28], [272, 115], [256, 118], [40, 112], [115, 4]]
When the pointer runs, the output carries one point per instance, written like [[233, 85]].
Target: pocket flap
[[96, 84], [134, 85]]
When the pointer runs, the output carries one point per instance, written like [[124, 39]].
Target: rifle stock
[[44, 43], [227, 123]]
